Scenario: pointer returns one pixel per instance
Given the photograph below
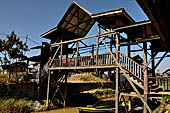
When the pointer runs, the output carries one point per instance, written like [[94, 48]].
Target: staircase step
[[138, 83], [153, 86], [156, 89], [150, 83]]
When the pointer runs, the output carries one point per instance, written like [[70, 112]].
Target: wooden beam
[[83, 43], [54, 56], [161, 59], [73, 44], [145, 76], [65, 90], [146, 48], [137, 50], [48, 89], [127, 77], [74, 53], [151, 60]]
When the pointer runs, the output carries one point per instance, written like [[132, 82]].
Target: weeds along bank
[[12, 105], [19, 95]]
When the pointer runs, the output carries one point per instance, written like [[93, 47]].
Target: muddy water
[[63, 110]]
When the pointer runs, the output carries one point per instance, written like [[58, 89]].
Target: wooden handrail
[[131, 66], [131, 59]]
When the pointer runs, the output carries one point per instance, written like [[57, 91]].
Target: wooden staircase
[[135, 72]]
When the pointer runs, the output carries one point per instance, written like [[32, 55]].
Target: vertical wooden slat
[[167, 84], [164, 84]]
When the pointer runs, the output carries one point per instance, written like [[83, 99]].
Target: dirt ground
[[63, 110]]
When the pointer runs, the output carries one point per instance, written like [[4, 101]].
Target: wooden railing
[[131, 66], [102, 59], [164, 82]]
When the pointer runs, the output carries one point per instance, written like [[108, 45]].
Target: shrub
[[3, 78], [12, 105]]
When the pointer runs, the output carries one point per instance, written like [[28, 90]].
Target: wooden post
[[145, 76], [153, 54], [61, 53], [66, 59], [117, 75], [97, 44], [65, 92], [129, 104], [27, 66], [128, 49], [111, 43], [48, 89], [77, 46], [92, 49]]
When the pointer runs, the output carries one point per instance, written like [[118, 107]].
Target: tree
[[12, 49]]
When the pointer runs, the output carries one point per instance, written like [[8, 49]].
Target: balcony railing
[[102, 59], [164, 82]]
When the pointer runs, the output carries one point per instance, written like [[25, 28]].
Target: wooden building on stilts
[[116, 30]]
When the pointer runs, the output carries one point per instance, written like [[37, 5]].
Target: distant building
[[14, 67], [166, 73]]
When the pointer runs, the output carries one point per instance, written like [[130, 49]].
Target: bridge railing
[[102, 59], [164, 82]]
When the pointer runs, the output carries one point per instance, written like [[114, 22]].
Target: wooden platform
[[150, 94], [84, 67], [160, 93]]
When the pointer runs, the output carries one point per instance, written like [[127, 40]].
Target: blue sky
[[34, 17]]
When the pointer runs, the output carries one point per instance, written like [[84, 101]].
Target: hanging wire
[[25, 37]]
